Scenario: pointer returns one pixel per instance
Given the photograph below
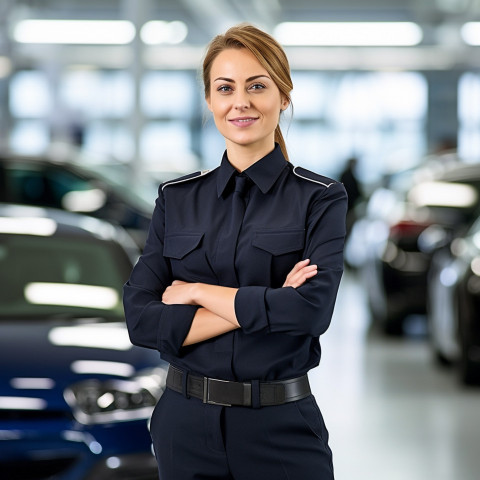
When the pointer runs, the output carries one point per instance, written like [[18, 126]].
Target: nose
[[242, 101]]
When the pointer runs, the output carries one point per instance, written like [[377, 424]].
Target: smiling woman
[[237, 282]]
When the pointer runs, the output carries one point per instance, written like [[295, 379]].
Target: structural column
[[442, 114]]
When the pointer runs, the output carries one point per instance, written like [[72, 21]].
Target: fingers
[[300, 265], [173, 294], [300, 273], [297, 268]]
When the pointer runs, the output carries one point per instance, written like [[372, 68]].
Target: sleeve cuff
[[173, 327], [250, 309]]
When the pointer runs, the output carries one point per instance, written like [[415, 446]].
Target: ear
[[285, 103]]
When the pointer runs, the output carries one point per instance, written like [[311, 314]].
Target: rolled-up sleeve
[[306, 310], [150, 322]]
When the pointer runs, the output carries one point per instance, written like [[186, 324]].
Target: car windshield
[[54, 277]]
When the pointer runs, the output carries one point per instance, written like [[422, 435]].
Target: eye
[[224, 89], [257, 86]]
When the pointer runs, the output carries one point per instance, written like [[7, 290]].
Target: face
[[244, 100]]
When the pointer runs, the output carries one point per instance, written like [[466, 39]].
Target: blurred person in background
[[349, 179], [237, 281]]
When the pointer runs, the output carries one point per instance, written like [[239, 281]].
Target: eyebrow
[[249, 79]]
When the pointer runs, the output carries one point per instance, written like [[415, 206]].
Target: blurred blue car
[[75, 395]]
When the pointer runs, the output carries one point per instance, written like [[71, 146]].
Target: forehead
[[236, 63]]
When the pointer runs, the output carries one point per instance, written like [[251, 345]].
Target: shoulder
[[313, 177], [323, 188], [191, 177]]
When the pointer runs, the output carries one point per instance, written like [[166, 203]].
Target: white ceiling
[[441, 48]]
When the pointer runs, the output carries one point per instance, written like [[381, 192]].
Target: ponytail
[[280, 140]]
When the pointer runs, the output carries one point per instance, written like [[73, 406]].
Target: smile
[[243, 122]]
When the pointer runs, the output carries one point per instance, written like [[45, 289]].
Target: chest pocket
[[187, 257], [281, 250]]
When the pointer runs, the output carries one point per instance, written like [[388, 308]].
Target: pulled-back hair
[[267, 51]]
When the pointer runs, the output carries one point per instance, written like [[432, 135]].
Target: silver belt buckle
[[206, 392]]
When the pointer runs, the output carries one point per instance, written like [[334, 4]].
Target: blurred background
[[102, 100]]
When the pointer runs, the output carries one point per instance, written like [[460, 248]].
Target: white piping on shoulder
[[174, 182], [311, 179]]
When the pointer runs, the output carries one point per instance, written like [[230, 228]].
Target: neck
[[242, 157]]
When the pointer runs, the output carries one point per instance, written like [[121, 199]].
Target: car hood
[[42, 359]]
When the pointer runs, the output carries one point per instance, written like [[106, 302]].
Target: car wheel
[[469, 364], [385, 320], [440, 359], [469, 361], [393, 321], [393, 326], [469, 369]]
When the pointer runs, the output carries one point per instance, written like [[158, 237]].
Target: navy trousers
[[196, 441]]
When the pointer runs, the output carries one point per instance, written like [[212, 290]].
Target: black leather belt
[[226, 393]]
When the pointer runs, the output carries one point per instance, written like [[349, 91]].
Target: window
[[166, 146], [97, 94], [29, 136], [375, 116], [469, 117], [169, 95], [30, 95]]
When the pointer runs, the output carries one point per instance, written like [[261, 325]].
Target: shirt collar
[[263, 173]]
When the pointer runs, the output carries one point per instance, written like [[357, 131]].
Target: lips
[[243, 121]]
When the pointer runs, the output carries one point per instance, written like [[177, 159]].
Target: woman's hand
[[218, 300], [179, 293], [300, 273], [183, 293]]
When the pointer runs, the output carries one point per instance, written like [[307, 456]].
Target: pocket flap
[[280, 242], [177, 245]]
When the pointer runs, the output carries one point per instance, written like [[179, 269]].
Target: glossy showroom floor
[[392, 414]]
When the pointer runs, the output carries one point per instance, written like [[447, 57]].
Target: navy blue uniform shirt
[[290, 214]]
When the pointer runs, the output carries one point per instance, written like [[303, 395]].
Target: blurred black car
[[453, 306], [72, 182], [395, 268], [75, 394]]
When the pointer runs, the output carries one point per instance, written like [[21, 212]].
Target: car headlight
[[116, 400]]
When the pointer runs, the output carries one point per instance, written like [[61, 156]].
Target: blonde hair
[[268, 52]]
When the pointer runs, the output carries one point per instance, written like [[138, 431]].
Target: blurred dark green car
[[107, 191]]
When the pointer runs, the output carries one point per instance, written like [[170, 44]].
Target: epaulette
[[313, 177], [186, 178]]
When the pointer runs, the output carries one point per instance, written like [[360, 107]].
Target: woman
[[237, 282]]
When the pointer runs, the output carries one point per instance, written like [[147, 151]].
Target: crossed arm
[[217, 313]]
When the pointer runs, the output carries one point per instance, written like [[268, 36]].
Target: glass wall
[[469, 117], [377, 116]]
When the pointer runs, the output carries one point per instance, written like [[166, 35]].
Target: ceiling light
[[471, 33], [348, 33], [106, 32], [159, 32]]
